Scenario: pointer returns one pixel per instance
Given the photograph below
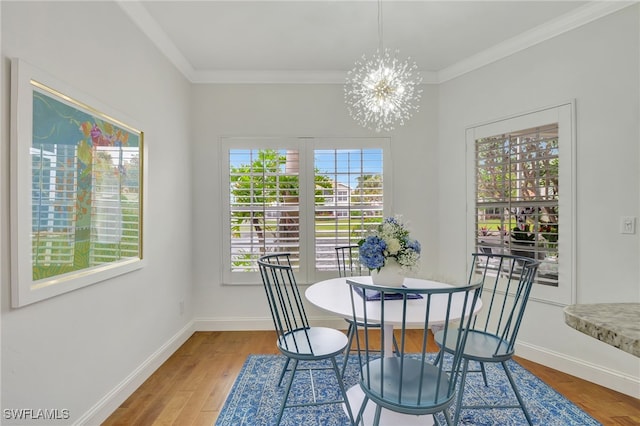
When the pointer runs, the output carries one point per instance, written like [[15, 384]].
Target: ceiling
[[307, 41]]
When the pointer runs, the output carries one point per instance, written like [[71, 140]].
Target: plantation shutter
[[348, 201], [517, 188], [264, 205]]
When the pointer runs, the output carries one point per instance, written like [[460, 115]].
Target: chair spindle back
[[348, 261], [285, 301], [503, 274], [414, 380]]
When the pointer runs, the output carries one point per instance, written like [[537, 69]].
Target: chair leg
[[447, 417], [342, 389], [350, 332], [440, 352], [360, 417], [376, 419], [284, 370], [515, 390], [458, 409], [286, 393], [484, 374]]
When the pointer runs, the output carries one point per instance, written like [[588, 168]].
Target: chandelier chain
[[382, 92], [380, 29]]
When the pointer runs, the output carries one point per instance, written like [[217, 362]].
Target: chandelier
[[382, 92]]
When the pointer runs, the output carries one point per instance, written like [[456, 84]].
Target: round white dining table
[[333, 296]]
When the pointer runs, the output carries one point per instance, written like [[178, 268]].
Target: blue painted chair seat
[[416, 396], [480, 346], [325, 343]]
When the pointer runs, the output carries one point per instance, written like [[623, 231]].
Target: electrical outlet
[[627, 225], [181, 304]]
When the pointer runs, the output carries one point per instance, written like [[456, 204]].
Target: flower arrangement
[[389, 241]]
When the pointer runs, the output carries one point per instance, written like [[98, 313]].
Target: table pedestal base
[[387, 417]]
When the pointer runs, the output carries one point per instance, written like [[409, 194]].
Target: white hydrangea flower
[[393, 246]]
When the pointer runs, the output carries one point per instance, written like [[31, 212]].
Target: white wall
[[71, 351], [293, 110], [598, 66]]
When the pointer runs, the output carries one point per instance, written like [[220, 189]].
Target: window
[[521, 189], [355, 177], [302, 196], [517, 190]]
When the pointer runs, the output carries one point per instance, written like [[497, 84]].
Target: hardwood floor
[[191, 386]]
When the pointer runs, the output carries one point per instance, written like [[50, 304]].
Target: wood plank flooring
[[191, 386]]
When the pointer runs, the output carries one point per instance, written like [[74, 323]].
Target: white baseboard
[[112, 400], [233, 324], [253, 323], [623, 383]]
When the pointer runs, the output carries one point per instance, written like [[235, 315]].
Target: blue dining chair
[[348, 258], [493, 333], [410, 382], [296, 339], [349, 266]]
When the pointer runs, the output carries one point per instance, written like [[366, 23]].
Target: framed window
[[303, 196], [521, 192]]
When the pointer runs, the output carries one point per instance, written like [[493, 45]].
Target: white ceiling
[[319, 41]]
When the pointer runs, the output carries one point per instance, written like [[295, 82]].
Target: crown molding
[[149, 26], [581, 16], [282, 77]]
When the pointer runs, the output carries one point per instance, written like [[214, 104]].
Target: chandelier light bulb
[[382, 92]]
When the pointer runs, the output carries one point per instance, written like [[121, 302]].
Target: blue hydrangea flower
[[414, 245], [391, 220], [372, 252]]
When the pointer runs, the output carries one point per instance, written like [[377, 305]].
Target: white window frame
[[564, 115], [305, 146]]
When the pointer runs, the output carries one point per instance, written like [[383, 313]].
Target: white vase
[[390, 275]]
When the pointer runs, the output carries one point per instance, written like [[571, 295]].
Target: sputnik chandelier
[[382, 92]]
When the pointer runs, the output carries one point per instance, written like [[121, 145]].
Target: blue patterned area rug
[[255, 398]]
